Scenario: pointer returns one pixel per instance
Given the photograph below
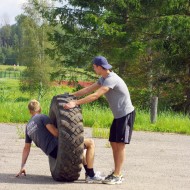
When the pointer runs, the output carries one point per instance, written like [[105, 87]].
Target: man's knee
[[89, 143], [117, 146]]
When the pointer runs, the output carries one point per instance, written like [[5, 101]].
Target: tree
[[146, 39], [7, 43], [168, 30], [32, 44]]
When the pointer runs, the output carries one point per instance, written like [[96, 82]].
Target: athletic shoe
[[96, 179], [112, 179]]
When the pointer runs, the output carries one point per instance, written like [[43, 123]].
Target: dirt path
[[154, 161]]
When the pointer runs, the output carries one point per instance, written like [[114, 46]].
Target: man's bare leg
[[119, 156], [91, 177], [88, 158], [90, 151]]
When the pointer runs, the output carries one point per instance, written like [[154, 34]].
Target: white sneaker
[[96, 179], [112, 179]]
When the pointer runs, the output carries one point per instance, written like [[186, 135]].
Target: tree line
[[147, 42]]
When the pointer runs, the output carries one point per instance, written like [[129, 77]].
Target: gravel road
[[154, 161]]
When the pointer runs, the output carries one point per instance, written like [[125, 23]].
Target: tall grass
[[11, 67], [96, 115], [13, 105], [167, 121]]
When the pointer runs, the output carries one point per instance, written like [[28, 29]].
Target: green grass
[[70, 73], [14, 109], [20, 132], [11, 67], [14, 103], [166, 122], [97, 115]]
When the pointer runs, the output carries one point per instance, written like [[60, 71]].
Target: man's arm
[[52, 129], [86, 90], [90, 98], [25, 153]]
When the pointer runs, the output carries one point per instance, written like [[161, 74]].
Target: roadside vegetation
[[11, 68], [14, 109], [146, 43]]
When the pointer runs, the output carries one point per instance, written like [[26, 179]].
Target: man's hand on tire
[[70, 105]]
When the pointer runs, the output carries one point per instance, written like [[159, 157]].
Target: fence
[[11, 74], [68, 74]]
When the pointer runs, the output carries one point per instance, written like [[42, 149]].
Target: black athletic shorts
[[53, 153], [121, 128]]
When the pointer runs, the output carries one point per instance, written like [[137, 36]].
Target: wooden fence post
[[153, 109]]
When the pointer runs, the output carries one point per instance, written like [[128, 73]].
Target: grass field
[[11, 67], [10, 71], [61, 74], [14, 109]]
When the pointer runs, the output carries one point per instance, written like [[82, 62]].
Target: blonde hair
[[34, 106]]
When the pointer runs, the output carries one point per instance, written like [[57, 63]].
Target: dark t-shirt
[[37, 132]]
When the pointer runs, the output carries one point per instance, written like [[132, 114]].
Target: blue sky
[[9, 9]]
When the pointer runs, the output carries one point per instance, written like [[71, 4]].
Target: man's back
[[37, 132]]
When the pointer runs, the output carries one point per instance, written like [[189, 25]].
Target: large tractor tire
[[68, 164]]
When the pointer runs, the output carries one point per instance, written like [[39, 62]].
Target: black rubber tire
[[69, 122]]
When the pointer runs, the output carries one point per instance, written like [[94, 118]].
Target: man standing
[[118, 97]]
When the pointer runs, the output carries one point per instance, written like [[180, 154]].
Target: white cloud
[[9, 9]]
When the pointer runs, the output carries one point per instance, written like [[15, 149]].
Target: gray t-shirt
[[37, 132], [118, 95]]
